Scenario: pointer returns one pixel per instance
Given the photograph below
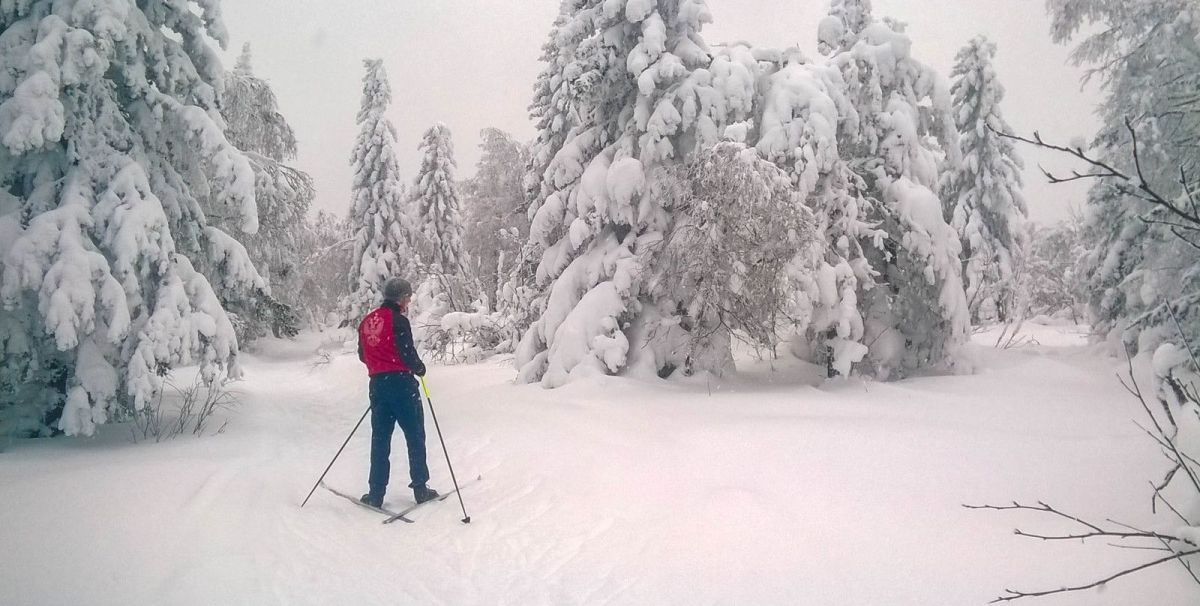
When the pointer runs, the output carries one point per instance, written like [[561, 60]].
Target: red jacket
[[385, 342]]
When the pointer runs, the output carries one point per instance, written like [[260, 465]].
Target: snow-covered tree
[[437, 205], [1049, 275], [644, 100], [383, 232], [1146, 56], [1141, 263], [113, 161], [494, 207], [898, 141], [284, 194], [465, 315], [558, 91], [840, 30], [328, 243], [630, 91], [799, 116], [982, 197]]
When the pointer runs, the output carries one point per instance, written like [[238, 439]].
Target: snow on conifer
[[436, 199], [494, 209], [982, 197], [284, 194], [918, 318], [114, 158], [378, 211], [557, 93], [840, 30], [644, 102], [863, 137], [800, 116], [1146, 55]]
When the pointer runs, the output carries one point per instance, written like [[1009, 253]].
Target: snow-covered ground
[[757, 489]]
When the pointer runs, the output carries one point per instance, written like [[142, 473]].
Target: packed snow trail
[[757, 489]]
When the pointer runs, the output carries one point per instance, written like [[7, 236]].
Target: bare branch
[[1133, 186], [1183, 182], [1187, 241], [1016, 595], [1042, 508]]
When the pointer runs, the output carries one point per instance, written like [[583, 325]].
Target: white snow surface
[[752, 489]]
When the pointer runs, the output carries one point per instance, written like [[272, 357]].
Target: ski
[[441, 497], [392, 516]]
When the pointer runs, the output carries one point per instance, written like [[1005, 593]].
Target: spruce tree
[[558, 112], [113, 162], [378, 212], [284, 194], [436, 200], [799, 120], [644, 102], [982, 197], [901, 128]]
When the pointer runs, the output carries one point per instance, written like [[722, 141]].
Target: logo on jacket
[[373, 329]]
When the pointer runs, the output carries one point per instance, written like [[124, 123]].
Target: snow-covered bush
[[462, 337], [1048, 278], [740, 235], [114, 161], [799, 117], [192, 408]]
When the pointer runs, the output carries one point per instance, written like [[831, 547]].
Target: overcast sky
[[471, 64]]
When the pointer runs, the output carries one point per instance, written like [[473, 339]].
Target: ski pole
[[466, 518], [335, 457]]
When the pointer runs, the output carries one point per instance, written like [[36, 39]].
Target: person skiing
[[385, 345]]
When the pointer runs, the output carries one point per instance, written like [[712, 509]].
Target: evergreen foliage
[[114, 164], [982, 197], [284, 195], [379, 212]]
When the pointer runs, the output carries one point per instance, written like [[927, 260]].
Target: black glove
[[420, 370]]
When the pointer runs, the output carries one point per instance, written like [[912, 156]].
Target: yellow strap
[[425, 387]]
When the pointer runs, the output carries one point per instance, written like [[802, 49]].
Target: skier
[[385, 345]]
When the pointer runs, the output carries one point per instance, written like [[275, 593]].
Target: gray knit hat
[[395, 289]]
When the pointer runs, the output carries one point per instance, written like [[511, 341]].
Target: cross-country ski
[[392, 516], [400, 515]]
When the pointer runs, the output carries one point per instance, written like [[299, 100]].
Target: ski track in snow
[[755, 489]]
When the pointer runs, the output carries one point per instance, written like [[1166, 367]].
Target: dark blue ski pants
[[396, 400]]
